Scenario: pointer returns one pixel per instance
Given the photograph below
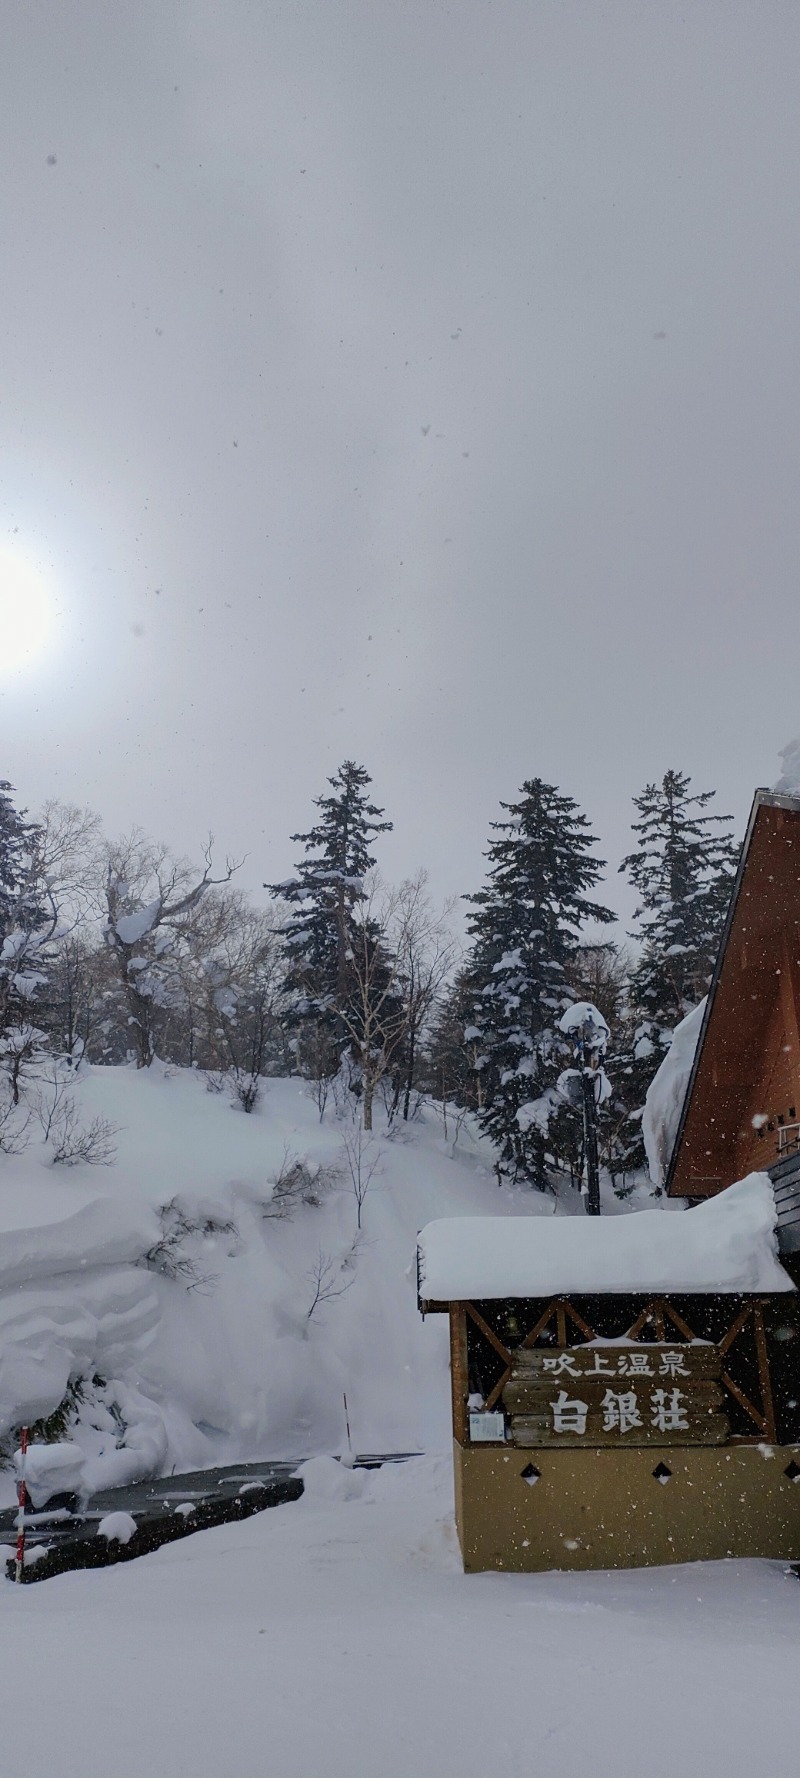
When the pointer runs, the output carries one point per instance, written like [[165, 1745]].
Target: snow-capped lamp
[[586, 1086]]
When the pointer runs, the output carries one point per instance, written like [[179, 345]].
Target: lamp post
[[588, 1032]]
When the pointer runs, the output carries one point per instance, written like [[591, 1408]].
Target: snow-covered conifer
[[27, 922], [329, 886], [526, 927]]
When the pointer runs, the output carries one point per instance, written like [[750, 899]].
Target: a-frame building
[[741, 1112]]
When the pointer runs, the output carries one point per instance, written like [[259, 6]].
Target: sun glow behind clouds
[[26, 614]]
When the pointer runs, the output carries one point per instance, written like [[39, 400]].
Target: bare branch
[[325, 1279]]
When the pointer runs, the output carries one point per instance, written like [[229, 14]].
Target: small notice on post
[[487, 1429]]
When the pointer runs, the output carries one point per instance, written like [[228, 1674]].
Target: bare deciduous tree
[[360, 1166], [427, 954], [401, 955], [325, 1278], [245, 977], [15, 1124], [149, 897], [68, 850]]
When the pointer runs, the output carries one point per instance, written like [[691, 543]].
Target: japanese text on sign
[[622, 1411], [669, 1363], [612, 1392]]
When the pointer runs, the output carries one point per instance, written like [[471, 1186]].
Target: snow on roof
[[667, 1092], [726, 1244]]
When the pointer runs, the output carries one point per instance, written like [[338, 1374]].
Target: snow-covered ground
[[338, 1638], [222, 1362]]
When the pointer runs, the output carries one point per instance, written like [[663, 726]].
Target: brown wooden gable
[[743, 1097]]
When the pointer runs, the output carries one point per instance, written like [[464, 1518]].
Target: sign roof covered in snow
[[725, 1245]]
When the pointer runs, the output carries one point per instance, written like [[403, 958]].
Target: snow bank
[[666, 1093], [340, 1639], [727, 1244], [102, 1232], [221, 1362], [325, 1479], [50, 1469], [117, 1527]]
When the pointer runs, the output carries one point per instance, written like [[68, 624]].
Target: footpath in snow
[[338, 1638]]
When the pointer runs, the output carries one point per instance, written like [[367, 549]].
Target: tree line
[[117, 951]]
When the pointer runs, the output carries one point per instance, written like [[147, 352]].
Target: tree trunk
[[412, 1052], [140, 1022]]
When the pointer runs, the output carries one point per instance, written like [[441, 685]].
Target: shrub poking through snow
[[360, 1166], [298, 1181], [89, 1144], [178, 1253]]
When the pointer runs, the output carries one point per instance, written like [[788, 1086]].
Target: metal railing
[[788, 1138]]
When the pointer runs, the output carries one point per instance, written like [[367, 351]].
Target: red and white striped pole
[[21, 1497], [347, 1424]]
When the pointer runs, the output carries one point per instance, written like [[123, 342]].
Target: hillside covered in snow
[[209, 1296]]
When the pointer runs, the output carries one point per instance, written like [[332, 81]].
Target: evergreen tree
[[321, 935], [26, 923], [526, 930], [683, 869], [449, 1064]]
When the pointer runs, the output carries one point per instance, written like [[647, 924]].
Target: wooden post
[[459, 1370], [21, 1497]]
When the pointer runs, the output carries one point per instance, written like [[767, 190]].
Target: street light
[[586, 1085]]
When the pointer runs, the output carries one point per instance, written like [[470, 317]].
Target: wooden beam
[[764, 1376], [501, 1350]]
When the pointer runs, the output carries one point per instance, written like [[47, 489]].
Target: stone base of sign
[[529, 1510]]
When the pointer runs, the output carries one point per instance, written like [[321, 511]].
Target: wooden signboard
[[605, 1394]]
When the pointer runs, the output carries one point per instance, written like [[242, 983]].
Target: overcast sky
[[412, 382]]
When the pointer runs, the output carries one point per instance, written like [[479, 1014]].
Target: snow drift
[[175, 1312], [176, 1307]]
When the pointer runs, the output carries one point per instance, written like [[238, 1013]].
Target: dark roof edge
[[771, 799]]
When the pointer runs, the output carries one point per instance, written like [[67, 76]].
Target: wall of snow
[[226, 1364], [666, 1093], [223, 1363]]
